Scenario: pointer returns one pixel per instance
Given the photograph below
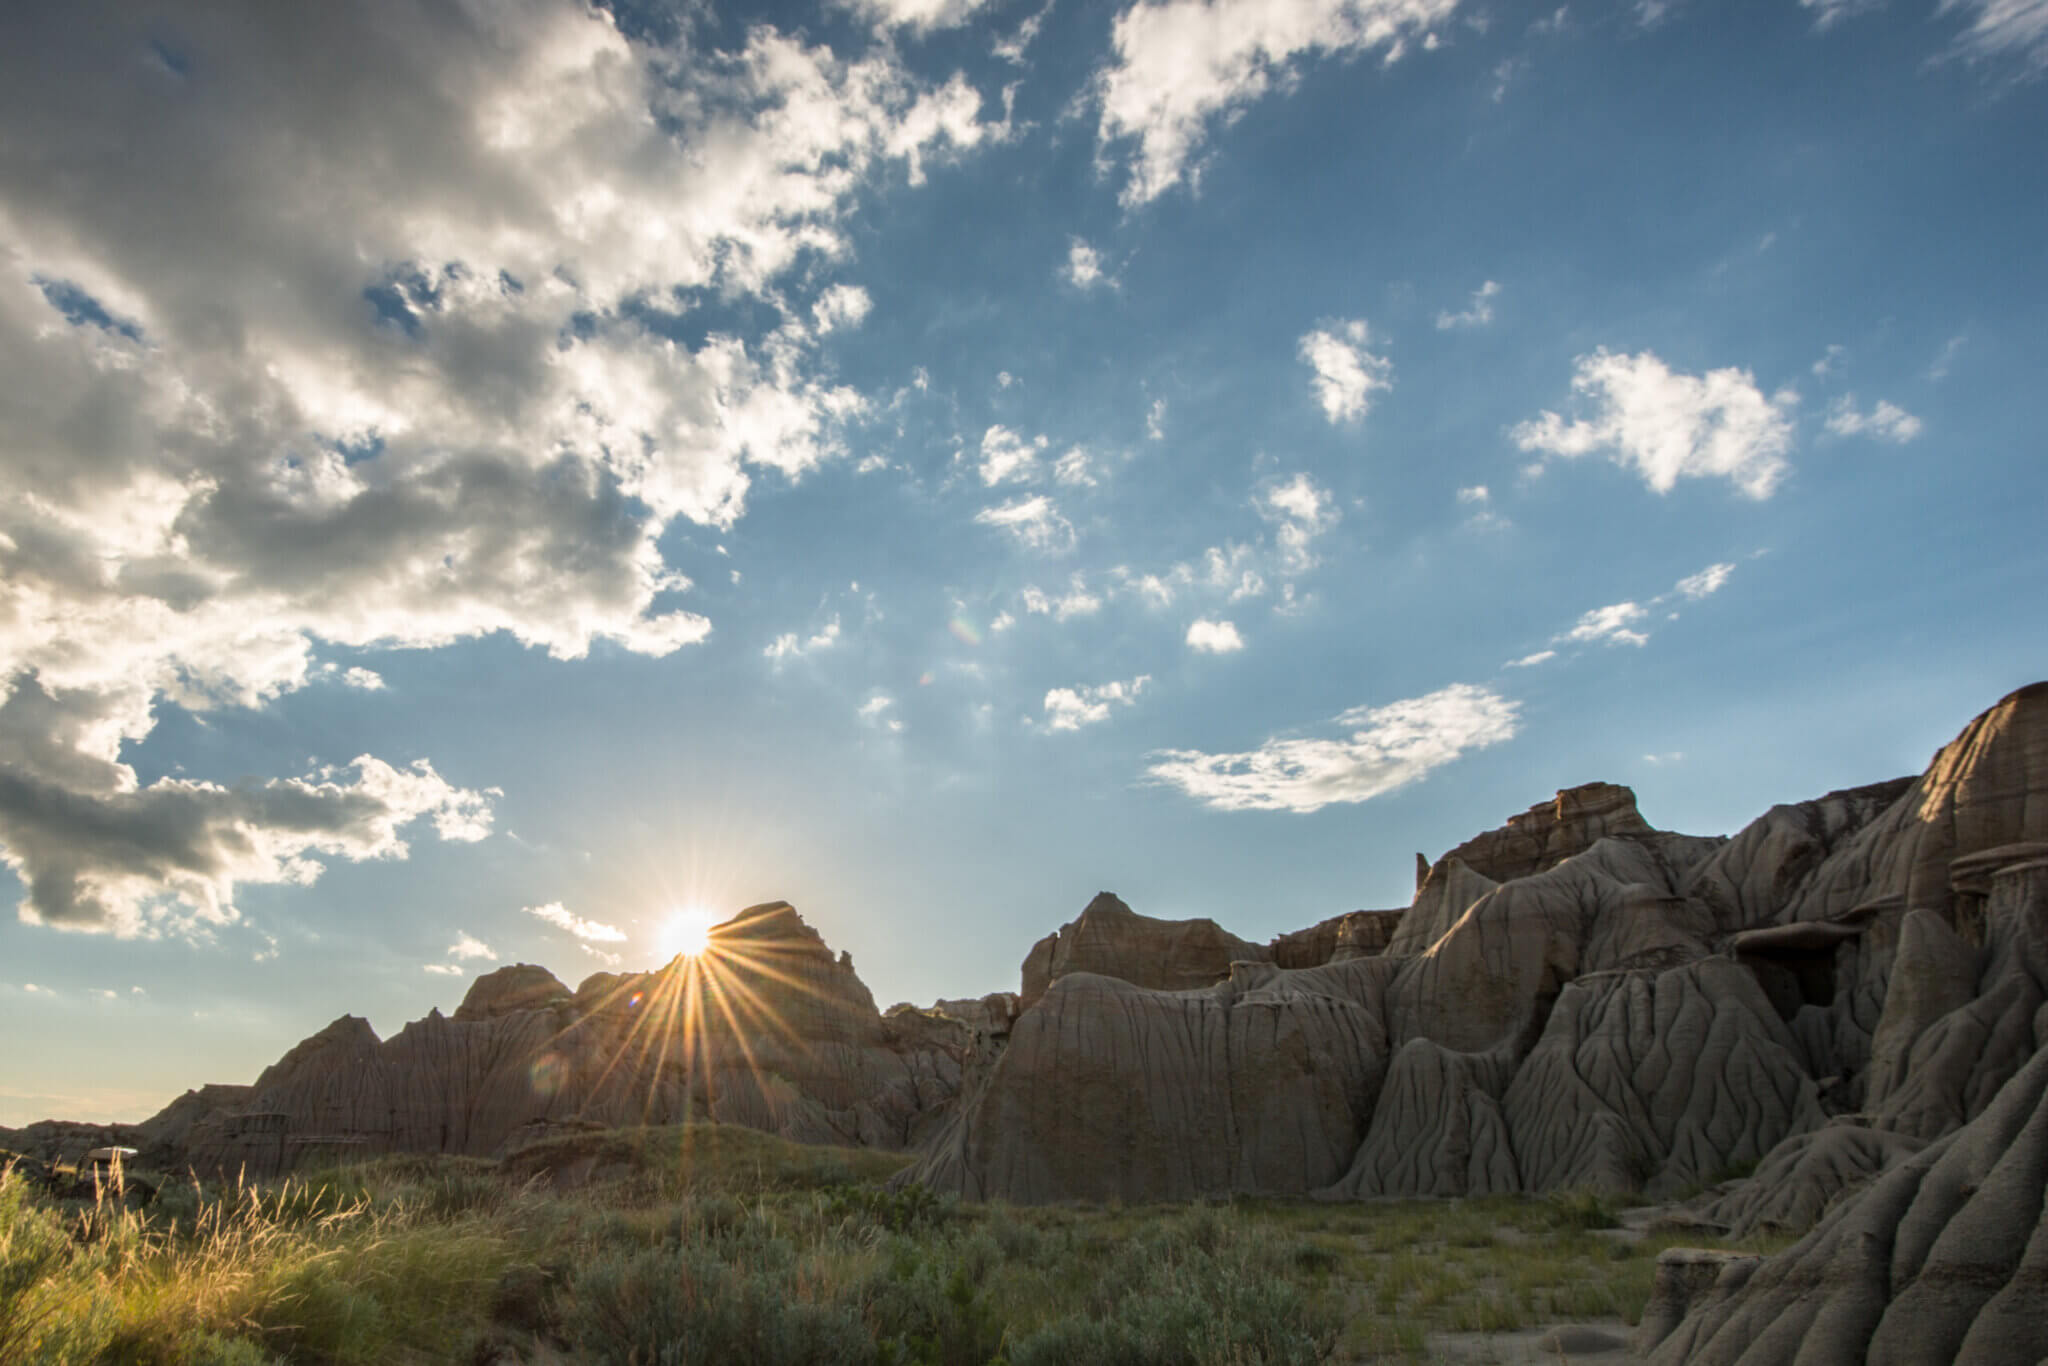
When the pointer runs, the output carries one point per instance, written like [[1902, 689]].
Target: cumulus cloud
[[1300, 512], [1084, 266], [1346, 374], [1182, 66], [1670, 426], [1385, 749], [1479, 314], [1612, 624], [369, 680], [875, 712], [840, 306], [1214, 637], [1035, 522], [1705, 583], [1887, 421], [919, 16], [562, 918], [1073, 708], [1006, 456], [1529, 661], [351, 342]]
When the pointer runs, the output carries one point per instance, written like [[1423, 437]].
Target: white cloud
[[920, 16], [1530, 661], [1155, 420], [1182, 65], [1386, 748], [840, 306], [1887, 421], [1077, 601], [875, 711], [1214, 637], [562, 918], [1003, 622], [1346, 374], [1671, 426], [1084, 266], [1301, 511], [468, 946], [1829, 358], [1612, 624], [2002, 28], [1475, 495], [1480, 313], [1006, 456], [1074, 469], [369, 680], [1669, 757], [788, 646], [443, 969], [342, 401], [1073, 708], [1035, 522], [1945, 362], [1705, 583]]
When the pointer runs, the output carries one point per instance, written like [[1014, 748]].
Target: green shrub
[[681, 1306]]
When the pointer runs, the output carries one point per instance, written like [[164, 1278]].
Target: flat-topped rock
[[1112, 940]]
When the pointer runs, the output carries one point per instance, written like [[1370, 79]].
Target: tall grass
[[665, 1248]]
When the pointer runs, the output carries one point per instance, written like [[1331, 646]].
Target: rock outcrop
[[1848, 999], [766, 1029]]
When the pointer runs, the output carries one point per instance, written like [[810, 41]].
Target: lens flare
[[549, 1072], [686, 932], [964, 630]]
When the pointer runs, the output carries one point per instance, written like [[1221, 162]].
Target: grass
[[662, 1247]]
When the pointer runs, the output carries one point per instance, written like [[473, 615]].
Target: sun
[[685, 931]]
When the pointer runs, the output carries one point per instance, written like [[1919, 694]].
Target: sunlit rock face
[[766, 1028]]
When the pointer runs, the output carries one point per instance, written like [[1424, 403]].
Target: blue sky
[[487, 477]]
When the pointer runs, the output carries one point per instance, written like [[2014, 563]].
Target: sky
[[484, 478]]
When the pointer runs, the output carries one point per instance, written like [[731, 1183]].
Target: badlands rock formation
[[1838, 1014], [767, 1029]]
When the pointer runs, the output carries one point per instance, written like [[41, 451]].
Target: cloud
[[1669, 757], [1074, 469], [1214, 637], [875, 710], [840, 306], [1183, 65], [1073, 708], [1828, 13], [1481, 311], [920, 16], [1006, 456], [562, 918], [1829, 359], [443, 969], [1155, 420], [369, 680], [1530, 661], [1346, 374], [1945, 362], [98, 850], [1077, 601], [788, 646], [1301, 511], [1386, 748], [1887, 421], [294, 359], [1611, 624], [468, 946], [2003, 28], [1084, 266], [1670, 426], [1034, 521], [1705, 583]]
